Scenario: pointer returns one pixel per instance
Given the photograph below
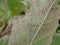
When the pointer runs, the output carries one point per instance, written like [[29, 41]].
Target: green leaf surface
[[15, 6], [10, 8]]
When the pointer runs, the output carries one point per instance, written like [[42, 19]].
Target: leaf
[[32, 27], [10, 8], [3, 10], [15, 6]]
